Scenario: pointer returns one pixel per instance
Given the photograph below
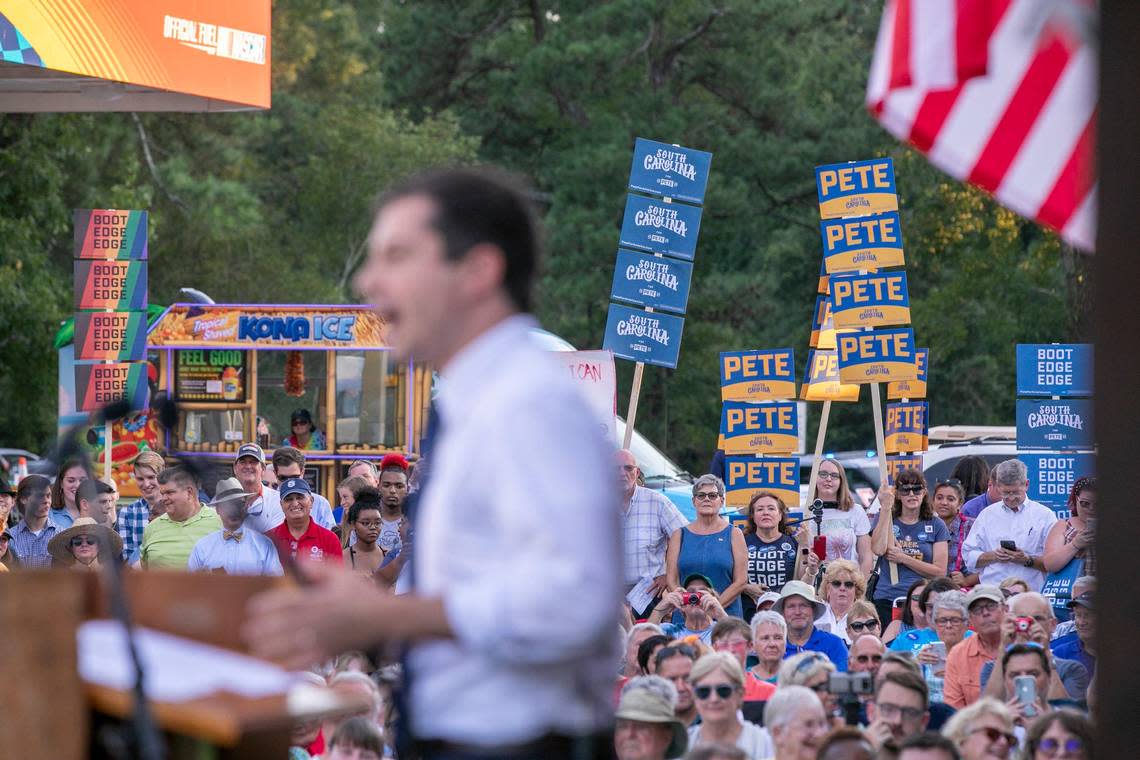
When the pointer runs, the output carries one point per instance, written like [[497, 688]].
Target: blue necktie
[[404, 741]]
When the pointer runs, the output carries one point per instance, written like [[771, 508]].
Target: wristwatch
[[1028, 562]]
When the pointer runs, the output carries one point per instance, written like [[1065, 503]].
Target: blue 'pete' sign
[[1051, 476], [1065, 425], [668, 228], [652, 281], [669, 170], [1055, 369], [641, 336]]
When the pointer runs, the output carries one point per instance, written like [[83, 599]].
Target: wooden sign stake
[[634, 395], [820, 434], [881, 449]]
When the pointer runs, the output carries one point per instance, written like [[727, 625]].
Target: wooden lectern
[[48, 711]]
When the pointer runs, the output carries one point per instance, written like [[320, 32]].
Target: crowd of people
[[921, 635], [912, 628]]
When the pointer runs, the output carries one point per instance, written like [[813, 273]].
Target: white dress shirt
[[1028, 527], [322, 513], [264, 514], [518, 532], [254, 554]]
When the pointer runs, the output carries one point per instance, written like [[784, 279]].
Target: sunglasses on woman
[[844, 584], [993, 734], [83, 541], [911, 489], [1050, 747], [863, 625], [723, 690]]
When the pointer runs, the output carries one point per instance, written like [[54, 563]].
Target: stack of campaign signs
[[864, 318], [657, 245], [759, 416], [1055, 435]]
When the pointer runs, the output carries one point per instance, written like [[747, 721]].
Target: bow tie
[[235, 535]]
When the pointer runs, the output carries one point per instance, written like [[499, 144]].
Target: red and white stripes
[[997, 94]]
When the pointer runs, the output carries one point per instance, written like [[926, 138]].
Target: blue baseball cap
[[294, 485], [250, 450]]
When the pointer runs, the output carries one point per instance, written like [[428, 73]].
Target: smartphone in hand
[[1009, 546]]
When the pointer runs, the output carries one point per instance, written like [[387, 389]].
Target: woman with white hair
[[982, 731], [796, 722], [769, 643], [811, 670], [711, 547], [949, 618], [718, 685]]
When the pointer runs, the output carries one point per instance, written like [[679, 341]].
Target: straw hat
[[60, 546], [648, 706]]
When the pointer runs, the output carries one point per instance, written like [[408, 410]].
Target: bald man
[[648, 520]]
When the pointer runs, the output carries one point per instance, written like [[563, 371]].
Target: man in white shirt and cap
[[502, 662], [235, 549]]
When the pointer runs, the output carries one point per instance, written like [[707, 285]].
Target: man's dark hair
[[931, 740], [973, 473], [358, 733], [91, 489], [645, 649], [481, 205], [367, 498], [1033, 649], [675, 650], [179, 476], [911, 681], [287, 455], [844, 735]]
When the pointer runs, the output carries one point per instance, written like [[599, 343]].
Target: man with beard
[[393, 492]]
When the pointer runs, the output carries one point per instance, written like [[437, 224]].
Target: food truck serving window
[[371, 398]]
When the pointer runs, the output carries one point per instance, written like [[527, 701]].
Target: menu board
[[210, 375]]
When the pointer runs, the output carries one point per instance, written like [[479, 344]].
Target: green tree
[[559, 91]]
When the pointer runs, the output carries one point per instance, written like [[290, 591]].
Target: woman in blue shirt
[[915, 540], [709, 546]]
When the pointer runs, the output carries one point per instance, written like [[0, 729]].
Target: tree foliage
[[274, 206]]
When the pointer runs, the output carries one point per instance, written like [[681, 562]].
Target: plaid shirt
[[646, 526], [131, 523], [30, 548]]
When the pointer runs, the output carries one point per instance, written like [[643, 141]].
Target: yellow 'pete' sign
[[770, 428], [821, 379], [857, 188], [912, 388], [877, 356], [906, 427], [896, 463], [868, 242], [870, 300], [757, 375], [745, 476]]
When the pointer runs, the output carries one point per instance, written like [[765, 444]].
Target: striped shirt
[[646, 526]]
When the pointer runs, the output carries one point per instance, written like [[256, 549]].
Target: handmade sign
[[896, 463], [856, 188], [1055, 369], [821, 379], [757, 375], [876, 356], [110, 336], [912, 389], [104, 233], [115, 285], [906, 429], [669, 170], [656, 282], [767, 428], [870, 300], [1056, 425], [862, 243], [1051, 476], [594, 374], [653, 225], [97, 385], [745, 476], [643, 336]]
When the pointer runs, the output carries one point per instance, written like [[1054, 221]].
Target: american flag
[[999, 93]]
